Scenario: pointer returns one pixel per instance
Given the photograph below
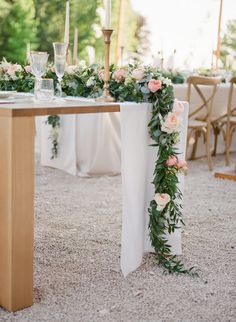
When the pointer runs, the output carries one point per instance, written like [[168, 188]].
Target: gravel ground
[[77, 248]]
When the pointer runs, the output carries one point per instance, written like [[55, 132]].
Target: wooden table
[[17, 133]]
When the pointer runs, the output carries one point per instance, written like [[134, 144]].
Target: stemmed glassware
[[38, 63], [60, 52]]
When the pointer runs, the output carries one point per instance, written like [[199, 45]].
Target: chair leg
[[216, 133], [188, 141], [227, 148], [208, 149], [194, 150], [229, 138]]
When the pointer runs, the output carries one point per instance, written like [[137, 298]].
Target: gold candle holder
[[106, 96]]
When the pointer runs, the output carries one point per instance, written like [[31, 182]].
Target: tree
[[142, 35], [41, 23], [17, 28], [50, 17], [85, 16], [133, 31], [229, 44]]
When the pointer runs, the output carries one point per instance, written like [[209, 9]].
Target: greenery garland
[[54, 122], [169, 218], [137, 84]]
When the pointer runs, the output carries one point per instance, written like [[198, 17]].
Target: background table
[[219, 108], [102, 132]]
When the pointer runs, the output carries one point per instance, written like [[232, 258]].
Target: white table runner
[[138, 161]]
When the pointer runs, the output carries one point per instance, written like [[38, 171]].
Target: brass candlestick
[[106, 96]]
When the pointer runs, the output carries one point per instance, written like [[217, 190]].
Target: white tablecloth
[[91, 144], [219, 108], [220, 100]]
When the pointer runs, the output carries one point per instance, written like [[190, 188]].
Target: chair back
[[206, 106], [231, 110]]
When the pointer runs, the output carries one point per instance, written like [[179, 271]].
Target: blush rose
[[171, 123], [182, 165], [171, 161], [154, 85], [119, 75], [162, 199], [138, 74]]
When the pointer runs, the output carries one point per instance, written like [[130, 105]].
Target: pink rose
[[12, 69], [171, 123], [28, 69], [119, 75], [71, 69], [154, 85], [172, 161], [5, 65], [101, 74], [162, 199], [182, 165], [138, 74], [178, 108]]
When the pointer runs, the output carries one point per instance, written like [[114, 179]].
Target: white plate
[[7, 94], [7, 101]]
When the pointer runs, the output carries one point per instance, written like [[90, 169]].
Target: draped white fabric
[[66, 159], [98, 148], [138, 160], [91, 145]]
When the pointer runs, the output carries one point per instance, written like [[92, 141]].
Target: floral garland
[[137, 84]]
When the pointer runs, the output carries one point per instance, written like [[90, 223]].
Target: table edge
[[40, 111]]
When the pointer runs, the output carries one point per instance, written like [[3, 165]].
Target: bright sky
[[190, 26]]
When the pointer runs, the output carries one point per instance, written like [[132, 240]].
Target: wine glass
[[38, 63], [60, 52]]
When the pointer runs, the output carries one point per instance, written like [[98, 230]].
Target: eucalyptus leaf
[[145, 90]]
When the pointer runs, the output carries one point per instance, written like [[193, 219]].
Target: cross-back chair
[[200, 117], [226, 124]]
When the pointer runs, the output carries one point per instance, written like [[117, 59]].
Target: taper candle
[[108, 14], [75, 54], [67, 23]]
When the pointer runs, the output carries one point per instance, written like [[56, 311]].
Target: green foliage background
[[17, 28], [41, 22], [229, 43]]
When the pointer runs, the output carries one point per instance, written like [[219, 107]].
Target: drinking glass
[[228, 76], [45, 90], [60, 52], [38, 63]]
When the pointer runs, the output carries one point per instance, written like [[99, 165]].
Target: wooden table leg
[[16, 211]]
